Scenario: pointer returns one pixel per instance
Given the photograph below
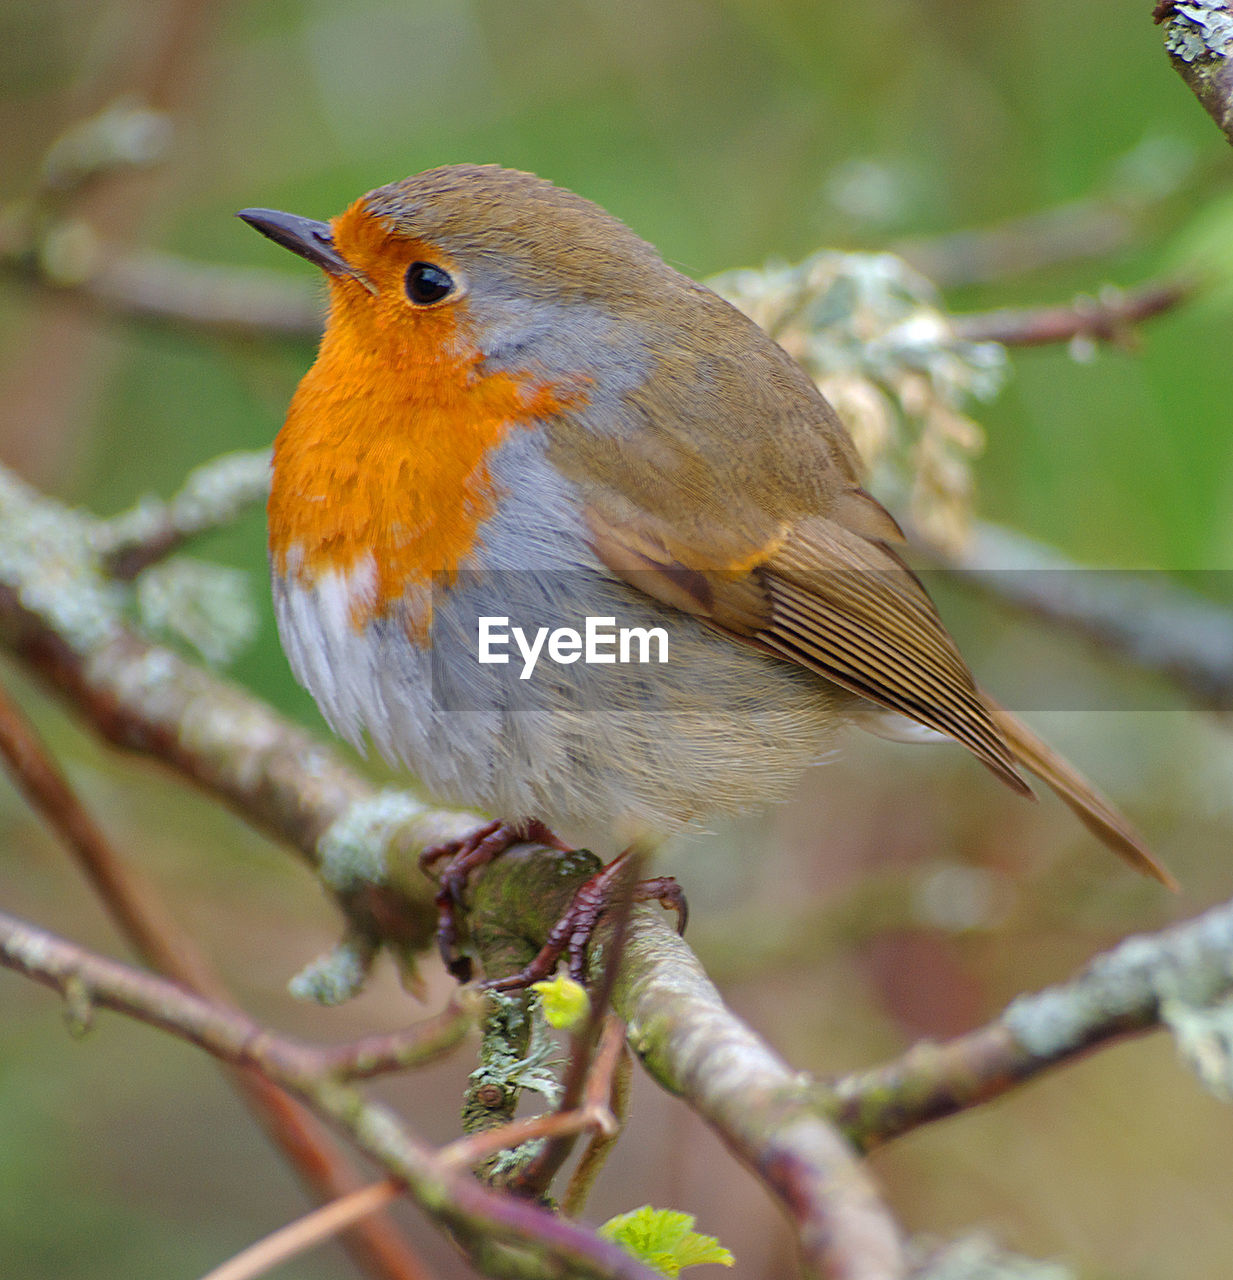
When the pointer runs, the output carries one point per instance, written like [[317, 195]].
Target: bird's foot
[[571, 934], [465, 856]]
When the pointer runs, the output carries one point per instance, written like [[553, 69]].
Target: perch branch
[[690, 1042], [696, 1048]]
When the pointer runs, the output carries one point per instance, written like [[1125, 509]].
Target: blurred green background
[[920, 896]]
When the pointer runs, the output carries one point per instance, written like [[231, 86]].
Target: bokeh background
[[903, 894]]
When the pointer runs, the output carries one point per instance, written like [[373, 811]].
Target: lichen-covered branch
[[508, 1237], [1199, 41], [693, 1045], [213, 495], [63, 616], [1181, 978]]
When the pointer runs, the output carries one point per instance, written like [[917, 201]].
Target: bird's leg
[[572, 932], [466, 856]]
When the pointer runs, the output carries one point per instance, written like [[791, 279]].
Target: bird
[[521, 420]]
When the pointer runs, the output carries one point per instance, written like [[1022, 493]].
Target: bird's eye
[[427, 283]]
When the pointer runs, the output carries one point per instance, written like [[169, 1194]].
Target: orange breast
[[386, 448]]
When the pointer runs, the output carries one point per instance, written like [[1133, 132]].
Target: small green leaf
[[664, 1239], [564, 1002]]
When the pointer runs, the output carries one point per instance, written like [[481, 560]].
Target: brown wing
[[833, 601], [851, 610]]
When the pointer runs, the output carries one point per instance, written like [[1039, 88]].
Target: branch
[[163, 290], [1093, 227], [694, 1046], [1174, 978], [168, 291], [1110, 317], [1199, 40], [141, 916], [212, 497], [64, 618], [498, 1230]]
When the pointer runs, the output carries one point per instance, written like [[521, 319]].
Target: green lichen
[[338, 975], [352, 852], [1182, 975], [206, 606], [1200, 29], [46, 558]]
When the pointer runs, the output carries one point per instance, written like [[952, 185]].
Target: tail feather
[[1092, 809]]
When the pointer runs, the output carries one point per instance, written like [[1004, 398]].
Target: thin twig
[[213, 496], [608, 1083], [1109, 317], [416, 1046], [607, 1057], [475, 1148], [535, 1179], [128, 898], [323, 1223], [167, 292], [1073, 232]]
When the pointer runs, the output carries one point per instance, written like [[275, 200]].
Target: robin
[[523, 433]]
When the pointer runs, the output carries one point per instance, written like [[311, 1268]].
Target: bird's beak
[[311, 240]]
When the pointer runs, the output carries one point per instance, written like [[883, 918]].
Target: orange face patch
[[386, 444]]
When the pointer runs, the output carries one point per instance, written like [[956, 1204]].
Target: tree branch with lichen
[[1180, 979], [1199, 41], [506, 1237]]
